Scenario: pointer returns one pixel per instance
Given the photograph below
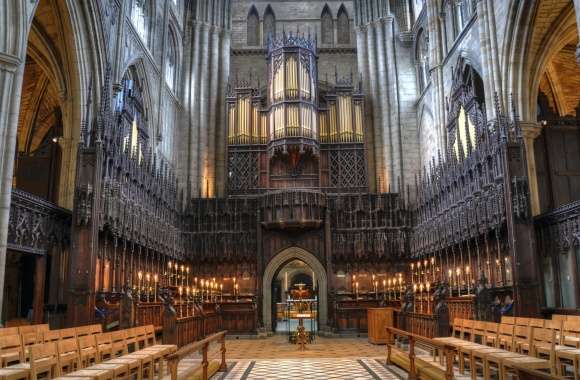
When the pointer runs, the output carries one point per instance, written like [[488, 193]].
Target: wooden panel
[[378, 321]]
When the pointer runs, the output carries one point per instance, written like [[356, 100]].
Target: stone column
[[38, 297], [577, 8], [363, 68], [194, 145], [385, 101], [374, 103], [530, 131], [204, 116], [11, 74]]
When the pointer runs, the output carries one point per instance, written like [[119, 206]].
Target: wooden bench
[[206, 368]]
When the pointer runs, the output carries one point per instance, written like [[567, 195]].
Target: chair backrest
[[150, 332], [31, 334], [506, 334], [573, 318], [537, 322], [82, 330], [96, 329], [51, 336], [131, 336], [553, 325], [542, 336], [68, 333], [11, 344], [68, 347], [43, 353], [506, 320], [522, 321], [467, 328], [119, 343], [478, 331], [559, 317], [521, 333], [9, 331], [140, 337], [571, 328], [103, 341], [87, 342]]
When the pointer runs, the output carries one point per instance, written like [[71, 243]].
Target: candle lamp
[[139, 277], [412, 273], [421, 296], [356, 286], [156, 281], [169, 265], [180, 289], [428, 287], [458, 273], [415, 292], [187, 276], [468, 275], [148, 280], [384, 289], [376, 290], [221, 292]]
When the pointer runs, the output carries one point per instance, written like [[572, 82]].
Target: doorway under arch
[[279, 261]]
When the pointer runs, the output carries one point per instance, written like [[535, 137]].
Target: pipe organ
[[295, 132]]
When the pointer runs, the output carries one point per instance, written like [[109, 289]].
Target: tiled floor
[[311, 369], [277, 347], [327, 358]]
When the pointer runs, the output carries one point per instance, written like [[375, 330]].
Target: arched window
[[253, 33], [422, 59], [343, 26], [133, 124], [450, 22], [140, 17], [269, 24], [327, 26], [171, 62]]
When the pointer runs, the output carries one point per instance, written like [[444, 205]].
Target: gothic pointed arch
[[171, 60], [343, 26], [269, 24], [253, 27], [327, 26]]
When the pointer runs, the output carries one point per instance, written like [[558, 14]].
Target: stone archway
[[278, 262]]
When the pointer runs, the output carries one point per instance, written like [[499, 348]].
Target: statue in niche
[[169, 317], [408, 305], [482, 300], [441, 309]]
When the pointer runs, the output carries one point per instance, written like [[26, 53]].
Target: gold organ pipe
[[264, 125], [255, 124], [232, 123], [333, 123], [358, 122]]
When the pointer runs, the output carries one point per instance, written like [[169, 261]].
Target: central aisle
[[326, 358]]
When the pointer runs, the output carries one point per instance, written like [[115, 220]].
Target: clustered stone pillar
[[530, 131], [377, 64]]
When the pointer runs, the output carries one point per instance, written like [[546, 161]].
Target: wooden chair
[[456, 328], [82, 331], [545, 346], [150, 335], [133, 364], [491, 332], [495, 360], [478, 359], [118, 345], [104, 346], [88, 350], [11, 351], [9, 331], [568, 357], [120, 371], [89, 374], [505, 336], [13, 374], [522, 339], [140, 337], [506, 320], [130, 338], [571, 334], [51, 336], [466, 329], [536, 322], [478, 332], [559, 317], [96, 329], [521, 321], [68, 355], [527, 361], [68, 333], [43, 360]]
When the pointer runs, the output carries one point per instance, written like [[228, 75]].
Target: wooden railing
[[150, 313], [461, 307], [446, 351], [238, 317], [417, 323], [203, 347], [189, 329]]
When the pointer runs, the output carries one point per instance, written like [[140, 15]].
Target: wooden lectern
[[378, 320]]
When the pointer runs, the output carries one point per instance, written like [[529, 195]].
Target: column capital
[[530, 129]]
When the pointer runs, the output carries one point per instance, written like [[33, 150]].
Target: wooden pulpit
[[379, 319]]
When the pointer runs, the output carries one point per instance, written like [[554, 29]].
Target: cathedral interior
[[276, 189]]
